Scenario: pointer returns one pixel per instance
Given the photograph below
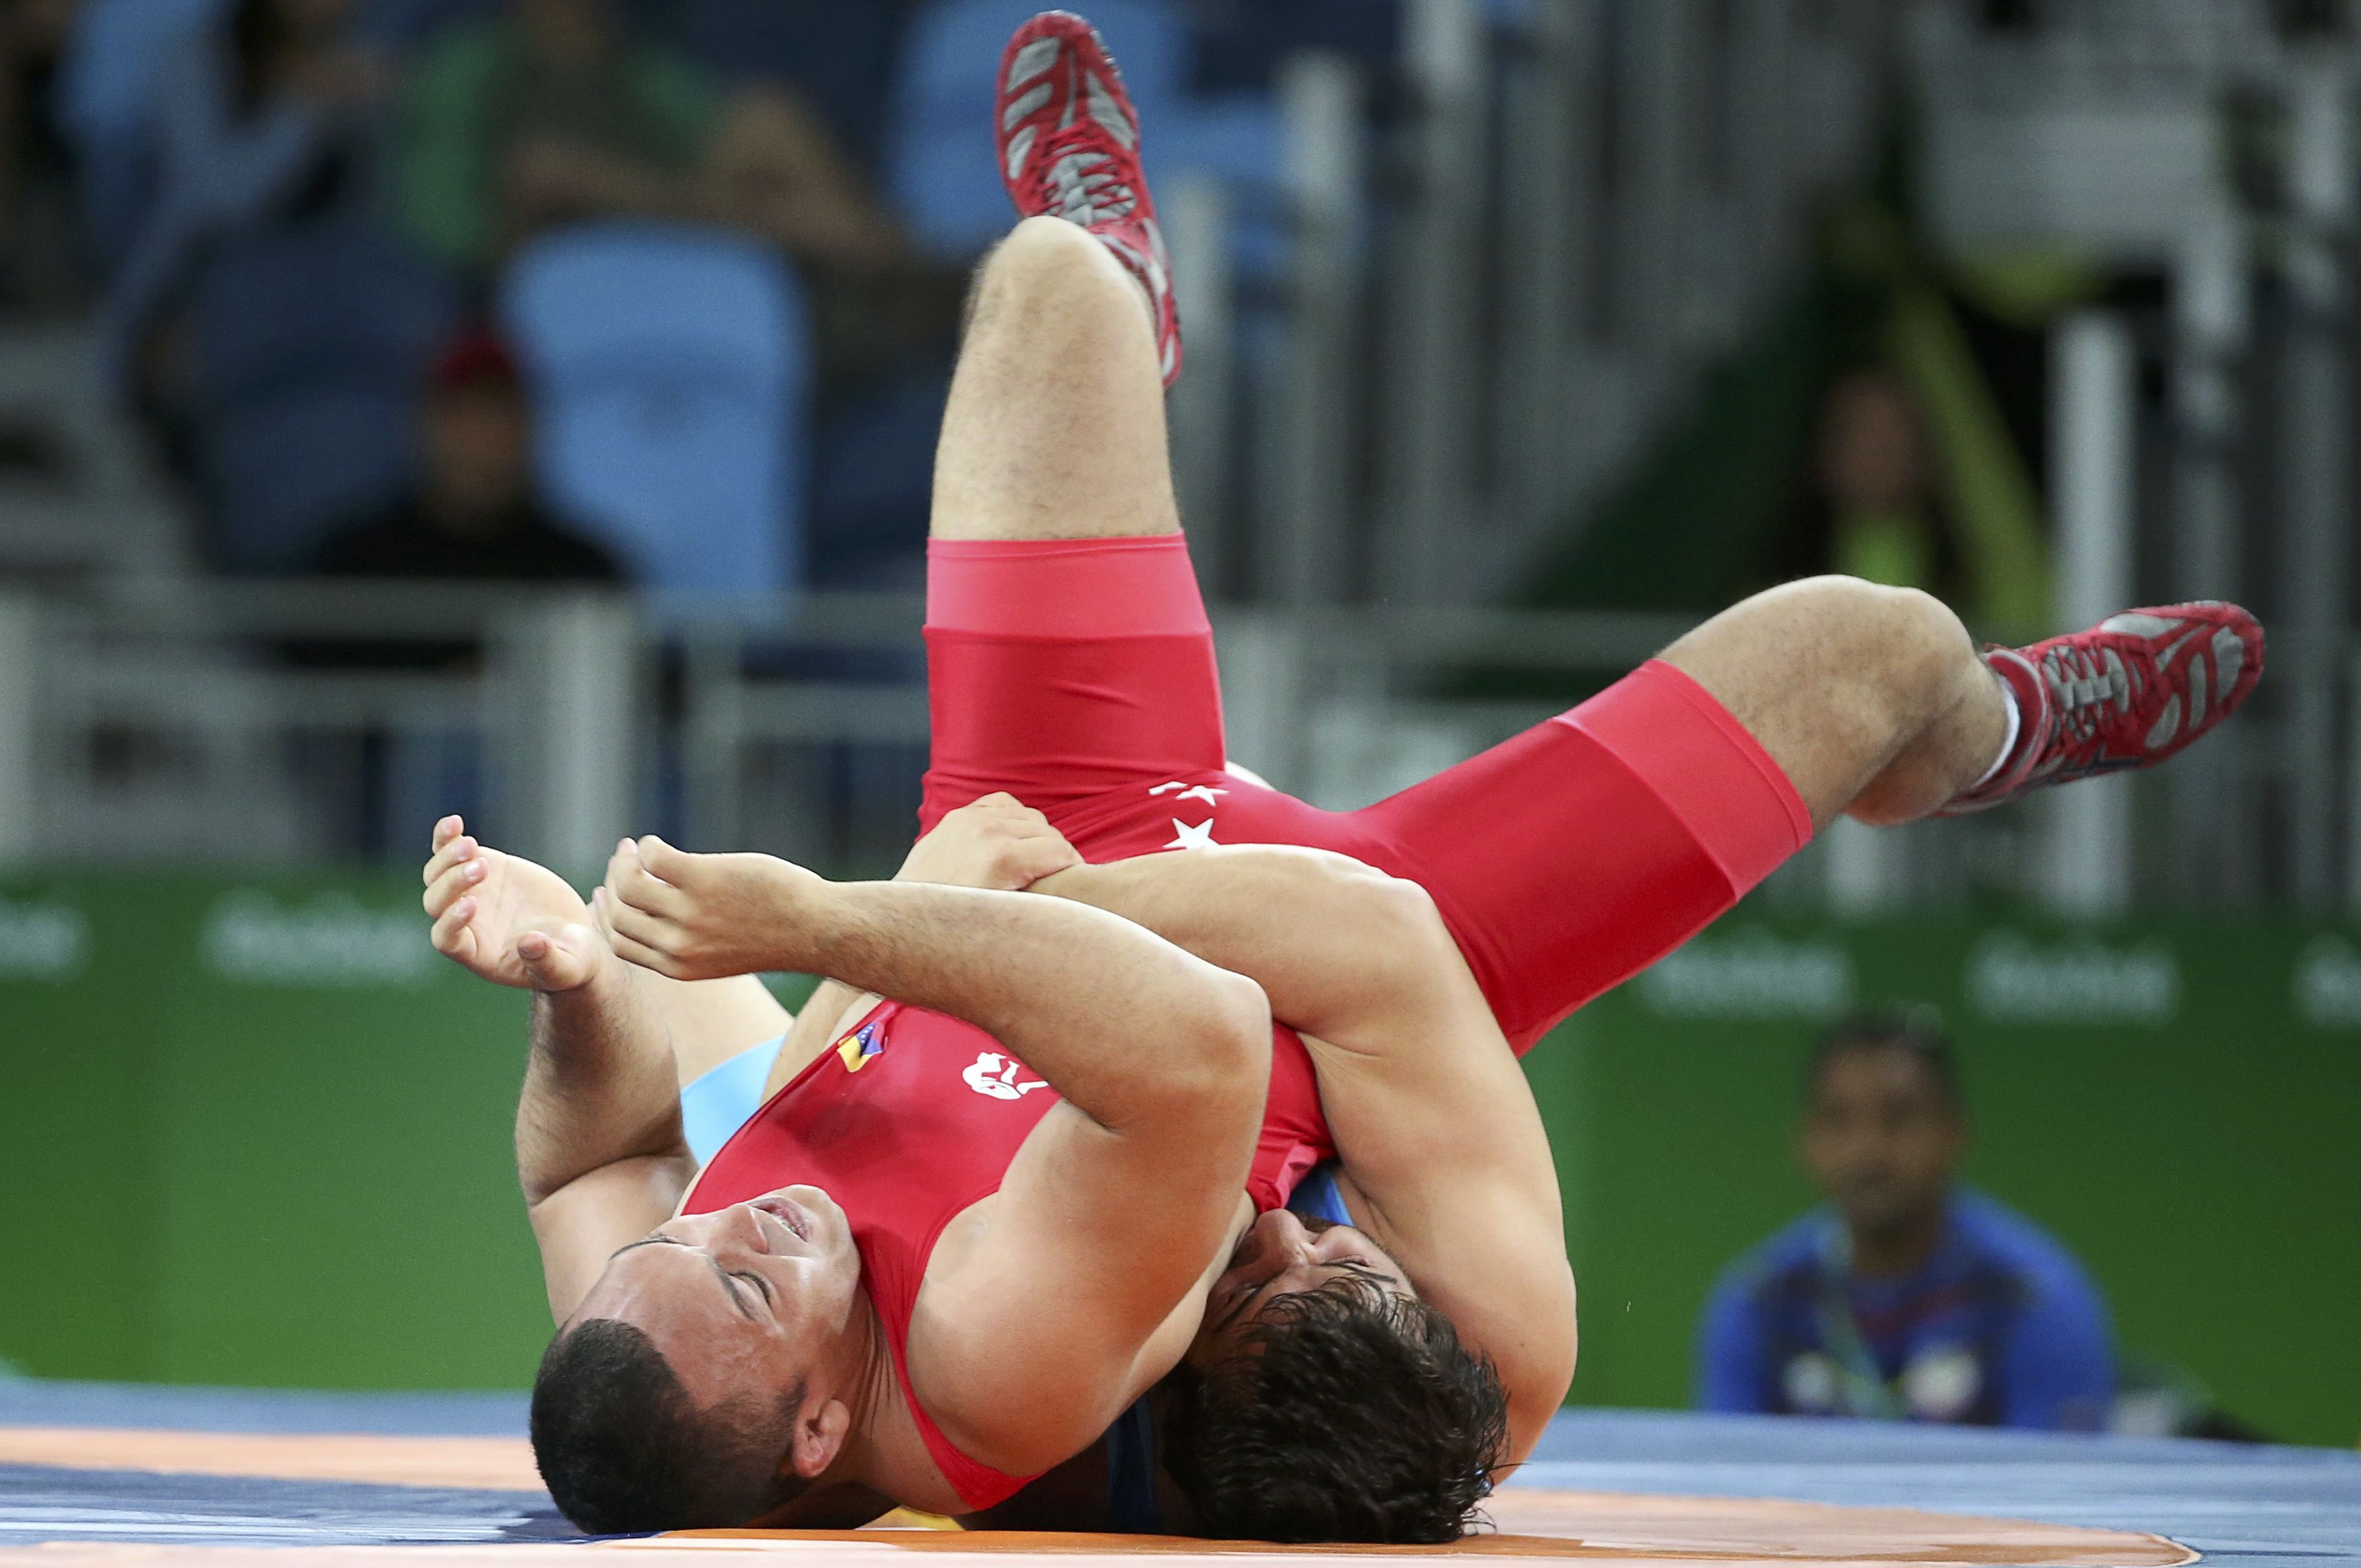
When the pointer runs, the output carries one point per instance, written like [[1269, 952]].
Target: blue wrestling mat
[[183, 1467], [2257, 1505]]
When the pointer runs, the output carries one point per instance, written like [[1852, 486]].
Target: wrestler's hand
[[507, 919], [705, 917], [997, 843]]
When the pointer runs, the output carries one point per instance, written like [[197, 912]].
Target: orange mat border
[[462, 1463], [1619, 1527], [1633, 1531]]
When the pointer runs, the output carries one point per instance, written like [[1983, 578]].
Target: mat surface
[[224, 1478]]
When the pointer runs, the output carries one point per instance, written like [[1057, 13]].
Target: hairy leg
[[1872, 700], [1055, 428]]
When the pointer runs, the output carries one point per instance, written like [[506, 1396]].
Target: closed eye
[[1241, 1298], [727, 1278]]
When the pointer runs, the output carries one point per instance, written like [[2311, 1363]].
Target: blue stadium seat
[[308, 349], [671, 368], [872, 481], [838, 57], [105, 91], [939, 156]]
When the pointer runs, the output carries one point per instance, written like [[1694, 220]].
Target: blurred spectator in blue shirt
[[264, 117], [1910, 1297]]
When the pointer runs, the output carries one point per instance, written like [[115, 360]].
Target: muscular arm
[[1161, 1060], [598, 1144], [1053, 992], [600, 1149], [994, 843], [1321, 933], [598, 1135], [1432, 1115]]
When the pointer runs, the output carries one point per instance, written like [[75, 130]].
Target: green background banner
[[257, 1132]]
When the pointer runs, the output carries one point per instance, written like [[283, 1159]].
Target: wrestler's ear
[[821, 1429]]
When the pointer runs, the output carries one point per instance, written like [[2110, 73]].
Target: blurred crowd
[[441, 287]]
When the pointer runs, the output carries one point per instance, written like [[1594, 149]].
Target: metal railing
[[217, 728], [1490, 306]]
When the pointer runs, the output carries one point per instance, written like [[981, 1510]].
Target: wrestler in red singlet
[[913, 1118], [1077, 675]]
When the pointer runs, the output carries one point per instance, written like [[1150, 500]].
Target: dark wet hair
[[625, 1451], [1353, 1415], [1916, 1031]]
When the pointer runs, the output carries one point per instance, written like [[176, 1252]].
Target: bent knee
[[1858, 599], [1904, 635], [1848, 630], [1048, 253], [1826, 671], [1046, 268]]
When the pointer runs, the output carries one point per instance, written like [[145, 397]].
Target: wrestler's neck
[[884, 1458]]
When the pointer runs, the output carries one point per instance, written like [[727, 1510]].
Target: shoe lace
[[2084, 684], [1083, 180]]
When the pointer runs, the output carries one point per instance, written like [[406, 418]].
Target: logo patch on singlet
[[856, 1048], [995, 1075]]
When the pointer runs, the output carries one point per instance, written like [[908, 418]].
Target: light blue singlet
[[718, 1103]]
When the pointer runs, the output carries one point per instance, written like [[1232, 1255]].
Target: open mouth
[[788, 1214]]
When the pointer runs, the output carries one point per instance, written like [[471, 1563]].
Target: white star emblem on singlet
[[1205, 792], [1198, 837]]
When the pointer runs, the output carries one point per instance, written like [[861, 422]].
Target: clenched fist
[[998, 844], [705, 916]]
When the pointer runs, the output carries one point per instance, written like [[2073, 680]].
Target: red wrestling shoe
[[1069, 149], [2128, 693]]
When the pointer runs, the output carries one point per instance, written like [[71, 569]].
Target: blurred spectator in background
[[39, 264], [555, 113], [1910, 1298], [1891, 420], [265, 117], [471, 516], [473, 513], [1876, 483], [1924, 469]]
